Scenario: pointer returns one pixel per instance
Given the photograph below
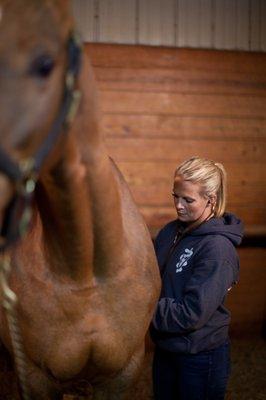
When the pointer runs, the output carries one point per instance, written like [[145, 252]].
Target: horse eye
[[42, 66]]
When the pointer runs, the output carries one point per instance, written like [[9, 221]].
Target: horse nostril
[[42, 66]]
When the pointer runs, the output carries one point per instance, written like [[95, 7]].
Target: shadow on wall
[[246, 300]]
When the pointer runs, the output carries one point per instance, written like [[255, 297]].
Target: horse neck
[[75, 197], [66, 218]]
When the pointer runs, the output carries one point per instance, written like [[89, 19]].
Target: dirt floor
[[248, 377]]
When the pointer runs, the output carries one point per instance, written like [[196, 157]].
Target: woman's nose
[[179, 204]]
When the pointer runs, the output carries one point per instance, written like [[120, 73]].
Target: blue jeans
[[201, 376]]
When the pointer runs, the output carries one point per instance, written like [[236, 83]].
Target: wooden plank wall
[[246, 300], [161, 106]]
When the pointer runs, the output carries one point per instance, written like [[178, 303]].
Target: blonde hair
[[210, 175]]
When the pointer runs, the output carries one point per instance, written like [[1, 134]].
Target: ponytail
[[222, 191]]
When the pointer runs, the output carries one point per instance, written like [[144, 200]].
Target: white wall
[[215, 24]]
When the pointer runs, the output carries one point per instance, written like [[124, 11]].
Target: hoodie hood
[[228, 225]]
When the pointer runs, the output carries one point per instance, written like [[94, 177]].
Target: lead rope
[[10, 300], [10, 305]]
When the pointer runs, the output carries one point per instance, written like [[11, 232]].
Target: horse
[[84, 270]]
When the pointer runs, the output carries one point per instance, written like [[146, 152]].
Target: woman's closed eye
[[187, 199]]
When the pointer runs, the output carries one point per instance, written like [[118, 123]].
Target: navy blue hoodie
[[191, 316]]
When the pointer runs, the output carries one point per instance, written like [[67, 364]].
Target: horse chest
[[66, 330]]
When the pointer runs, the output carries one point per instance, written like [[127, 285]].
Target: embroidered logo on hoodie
[[183, 260]]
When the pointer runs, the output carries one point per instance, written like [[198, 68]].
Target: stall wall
[[160, 106]]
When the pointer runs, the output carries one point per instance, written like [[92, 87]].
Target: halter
[[24, 175]]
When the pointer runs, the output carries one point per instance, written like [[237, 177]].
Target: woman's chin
[[182, 217]]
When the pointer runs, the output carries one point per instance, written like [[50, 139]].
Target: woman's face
[[190, 203]]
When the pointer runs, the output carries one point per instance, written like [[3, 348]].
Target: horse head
[[33, 62], [39, 61]]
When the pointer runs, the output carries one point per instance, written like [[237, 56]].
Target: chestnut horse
[[84, 273]]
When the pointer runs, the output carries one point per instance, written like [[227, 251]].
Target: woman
[[199, 264]]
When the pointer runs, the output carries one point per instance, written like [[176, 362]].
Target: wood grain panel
[[106, 55], [159, 150], [157, 217], [165, 126], [153, 186], [153, 173], [161, 197], [247, 299], [172, 80], [228, 106], [161, 106]]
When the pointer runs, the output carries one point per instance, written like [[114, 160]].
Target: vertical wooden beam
[[188, 23], [193, 23], [206, 21], [157, 22], [263, 26], [242, 24], [84, 14], [117, 21], [220, 24], [225, 24], [182, 21], [254, 7]]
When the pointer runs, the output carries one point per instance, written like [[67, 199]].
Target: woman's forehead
[[186, 188]]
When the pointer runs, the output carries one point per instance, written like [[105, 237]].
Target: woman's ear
[[212, 199]]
